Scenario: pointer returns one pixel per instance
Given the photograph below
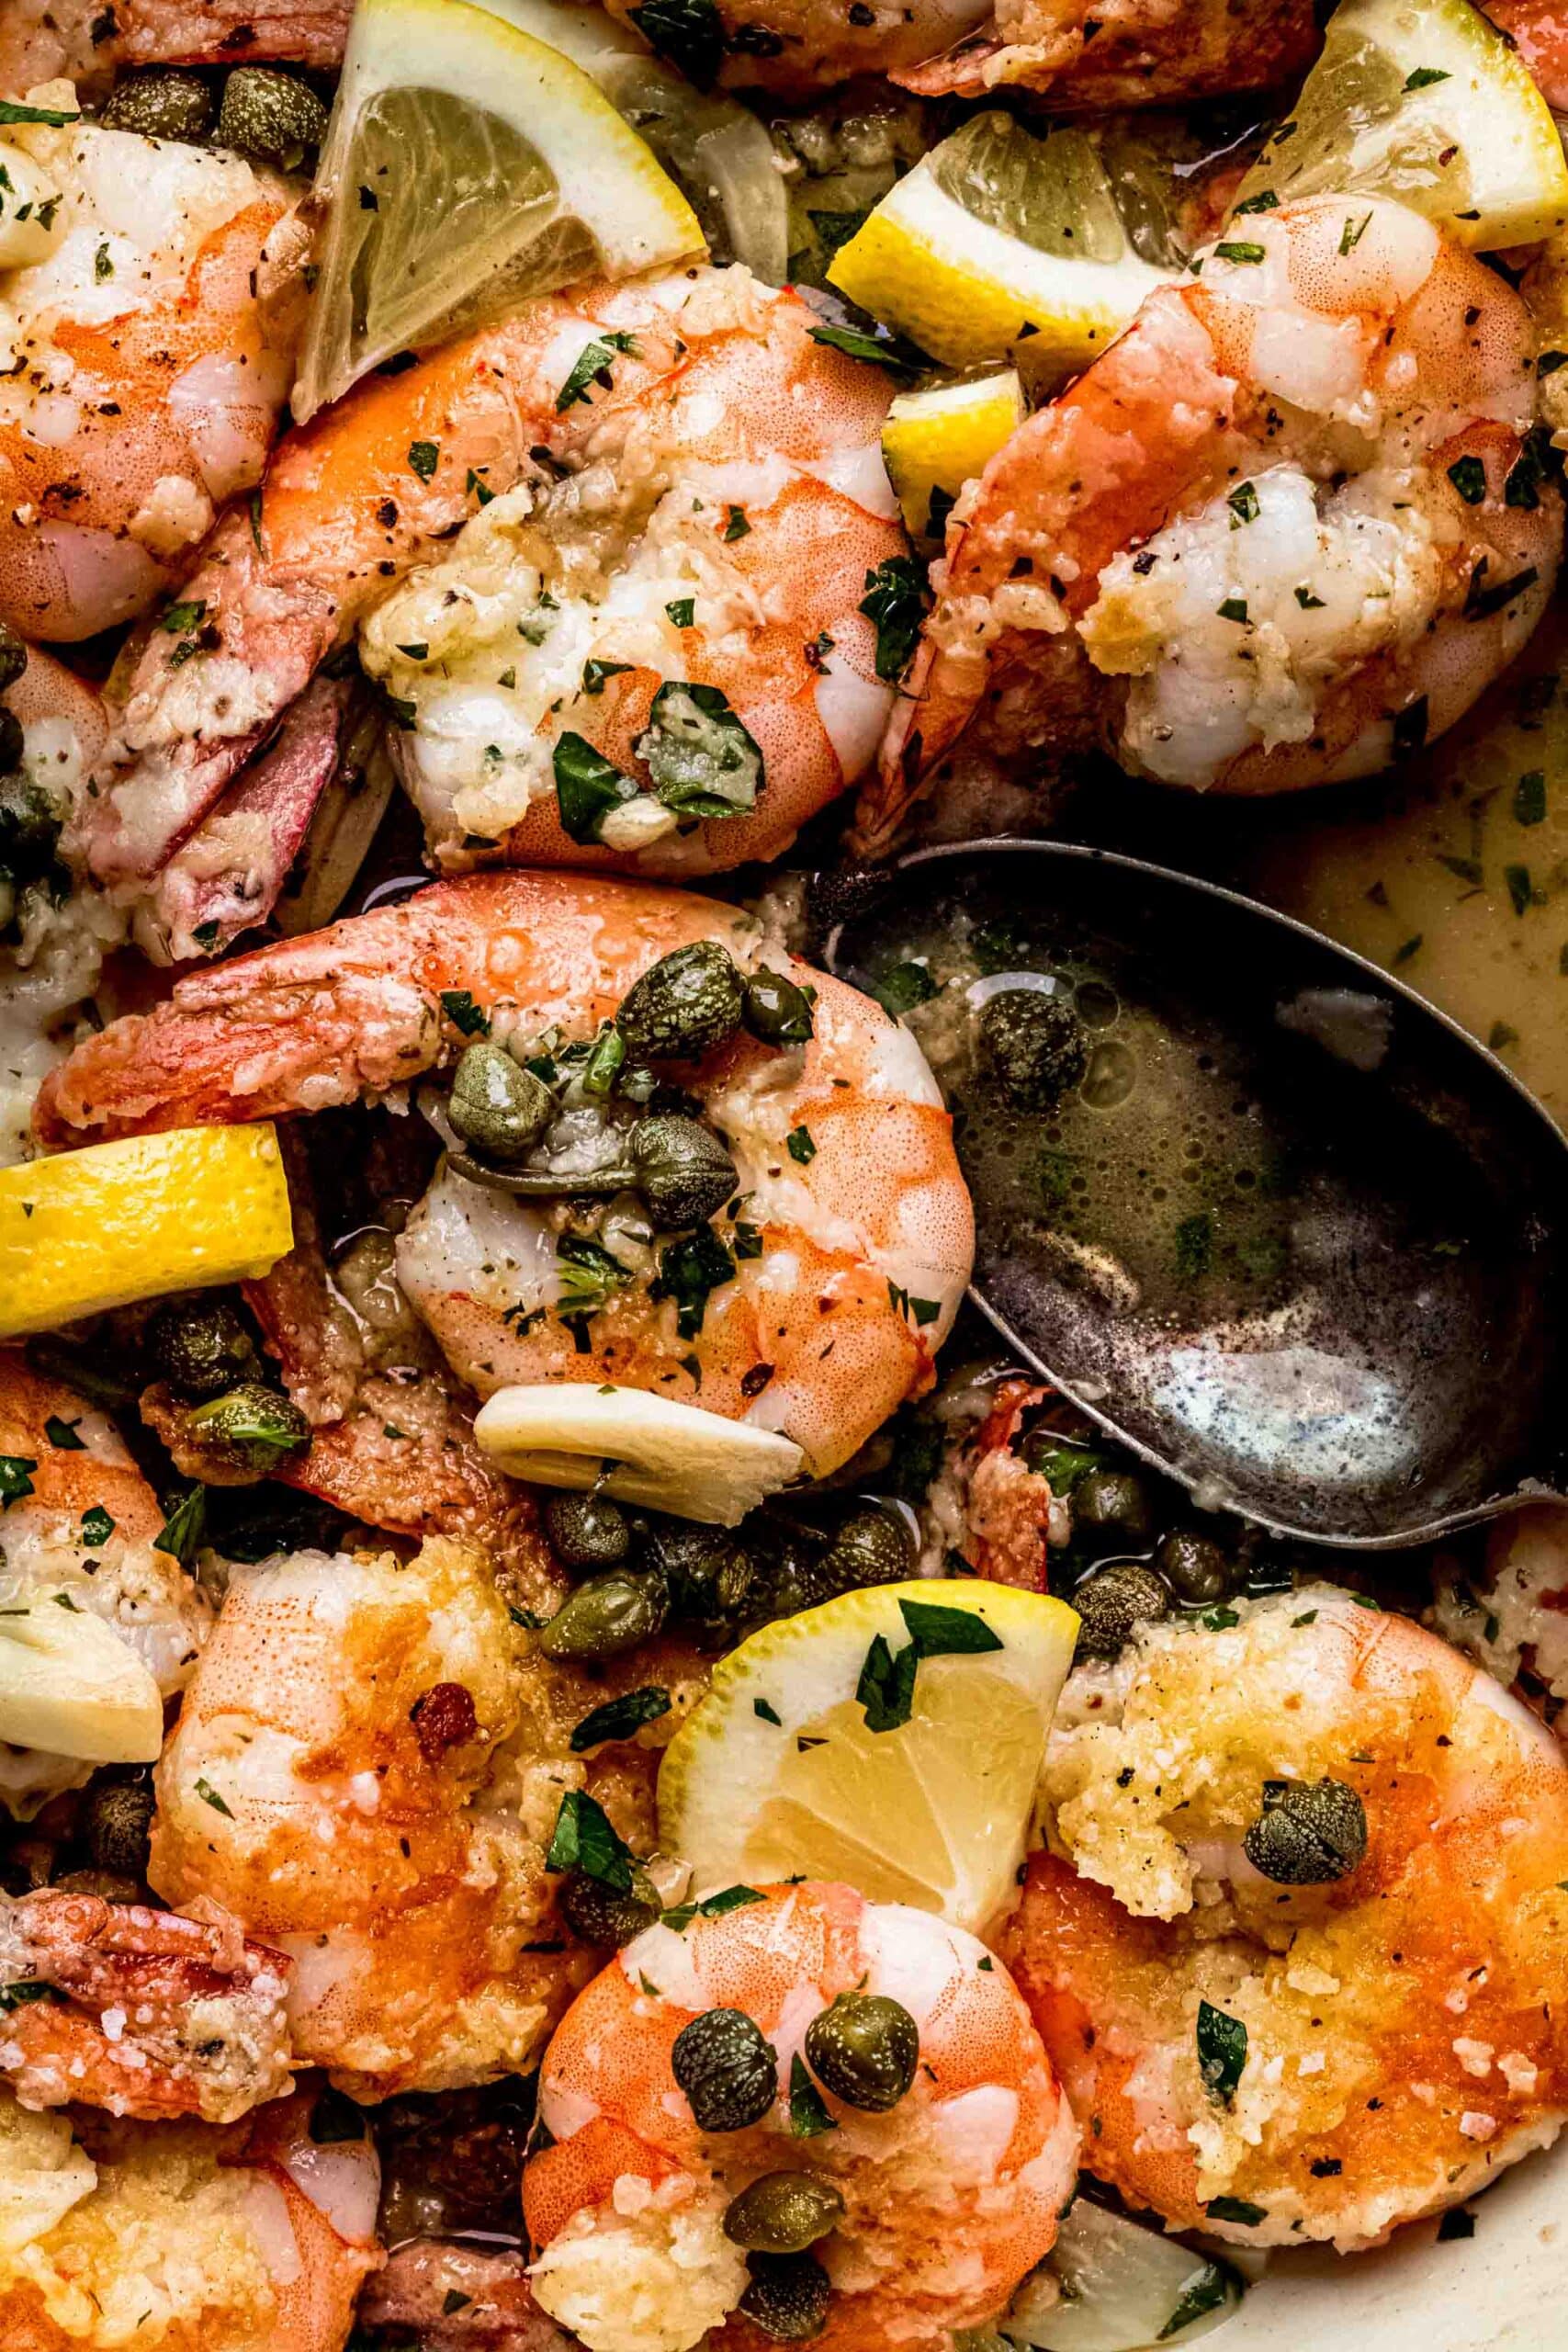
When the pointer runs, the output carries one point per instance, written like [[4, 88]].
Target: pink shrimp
[[948, 2198], [1088, 59]]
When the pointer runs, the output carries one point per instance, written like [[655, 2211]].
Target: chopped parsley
[[424, 458], [1424, 77], [182, 1532], [736, 527], [63, 1435], [468, 1019], [619, 1718], [690, 1270], [1468, 476], [701, 759], [209, 1796], [584, 1840], [16, 1478], [1245, 253], [1222, 2055], [1529, 797], [683, 612], [897, 601], [886, 1686], [97, 1527], [593, 362], [808, 2115], [800, 1146], [1243, 503], [588, 787]]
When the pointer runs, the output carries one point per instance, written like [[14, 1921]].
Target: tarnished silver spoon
[[1271, 1220]]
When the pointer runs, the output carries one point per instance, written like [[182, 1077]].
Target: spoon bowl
[[1291, 1235]]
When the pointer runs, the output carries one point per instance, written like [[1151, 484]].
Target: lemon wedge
[[640, 1448], [116, 1222], [71, 1686], [783, 1769], [1422, 100], [467, 167], [999, 239], [939, 439]]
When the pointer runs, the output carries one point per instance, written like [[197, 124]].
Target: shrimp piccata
[[1284, 530], [1297, 1947], [811, 1304], [644, 649], [945, 2198], [182, 2237], [143, 380]]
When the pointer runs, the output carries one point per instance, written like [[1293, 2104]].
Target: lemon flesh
[[939, 439], [999, 240], [1422, 100], [468, 168], [777, 1771], [118, 1222]]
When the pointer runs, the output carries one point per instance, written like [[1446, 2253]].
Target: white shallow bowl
[[1505, 2290]]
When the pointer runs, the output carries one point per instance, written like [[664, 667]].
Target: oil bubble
[[1111, 1075]]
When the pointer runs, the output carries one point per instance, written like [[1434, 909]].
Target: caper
[[587, 1531], [496, 1105], [1113, 1602], [707, 1571], [272, 115], [775, 1010], [865, 2049], [201, 1347], [783, 2213], [1033, 1046], [162, 104], [728, 2072], [251, 1429], [116, 1819], [12, 742], [1194, 1566], [787, 2297], [684, 1172], [1308, 1833], [871, 1547], [1062, 1461], [605, 1616], [683, 1005], [30, 820], [13, 657], [600, 1914], [1112, 1499]]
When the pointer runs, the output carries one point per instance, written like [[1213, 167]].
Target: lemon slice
[[467, 168], [116, 1222], [1425, 101], [641, 1448], [72, 1686], [778, 1769], [939, 439], [997, 238]]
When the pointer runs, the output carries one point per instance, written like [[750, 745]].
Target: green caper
[[787, 2297], [1033, 1046], [600, 1914], [871, 1547], [783, 2213], [1113, 1602], [1196, 1568], [728, 2072], [683, 1005], [587, 1531], [707, 1571], [684, 1172], [775, 1010], [201, 1347], [13, 657], [604, 1617], [250, 1428], [30, 820], [272, 115], [162, 104], [496, 1105], [865, 2049], [1308, 1833], [116, 1819], [1112, 1499]]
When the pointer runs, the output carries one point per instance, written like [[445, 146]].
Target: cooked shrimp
[[182, 2238], [818, 1320], [716, 458], [1288, 526], [366, 1771], [949, 2197], [76, 1466], [1539, 30], [1087, 59], [1298, 1948], [146, 2014], [142, 389], [1512, 1616]]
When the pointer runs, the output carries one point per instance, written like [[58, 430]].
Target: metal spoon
[[1294, 1238]]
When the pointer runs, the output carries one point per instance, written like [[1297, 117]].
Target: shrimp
[[1287, 527], [143, 382], [817, 1320], [366, 1771], [1512, 1616], [146, 2014], [665, 488], [1087, 59], [948, 2198], [180, 2237], [1365, 2030], [77, 1473]]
